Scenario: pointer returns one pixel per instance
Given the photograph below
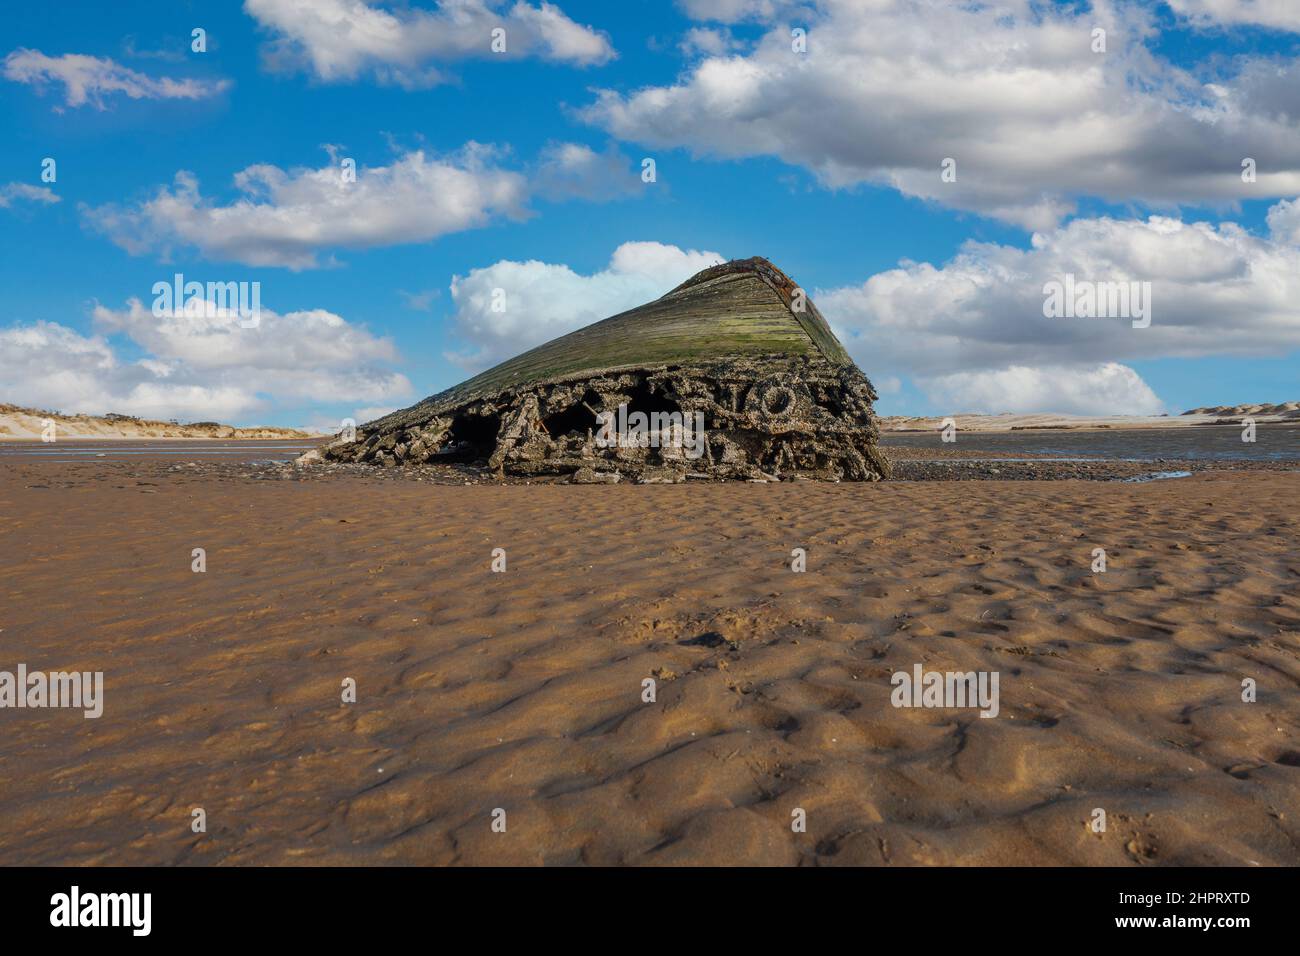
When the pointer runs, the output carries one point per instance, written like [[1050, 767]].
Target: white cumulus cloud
[[196, 365], [543, 300], [1284, 221], [1107, 388], [284, 218], [94, 80], [1013, 92], [289, 217], [338, 40], [972, 332]]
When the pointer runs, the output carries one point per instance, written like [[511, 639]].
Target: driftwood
[[737, 349]]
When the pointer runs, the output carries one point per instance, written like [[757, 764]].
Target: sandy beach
[[523, 690]]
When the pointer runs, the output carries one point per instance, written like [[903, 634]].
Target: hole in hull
[[645, 399], [576, 418], [471, 437]]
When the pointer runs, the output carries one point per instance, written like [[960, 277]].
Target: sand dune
[[522, 690], [18, 423], [1281, 410]]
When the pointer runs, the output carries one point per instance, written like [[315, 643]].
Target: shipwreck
[[734, 374]]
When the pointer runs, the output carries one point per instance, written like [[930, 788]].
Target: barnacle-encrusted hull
[[739, 344]]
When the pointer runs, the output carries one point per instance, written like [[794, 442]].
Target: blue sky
[[829, 165]]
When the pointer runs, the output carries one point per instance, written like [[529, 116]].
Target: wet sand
[[523, 690]]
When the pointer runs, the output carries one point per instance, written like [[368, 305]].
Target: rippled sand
[[523, 690]]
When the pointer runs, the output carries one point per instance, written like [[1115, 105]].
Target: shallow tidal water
[[1192, 443], [180, 449]]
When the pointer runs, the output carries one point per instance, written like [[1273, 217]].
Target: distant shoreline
[[1225, 415], [29, 424], [287, 435]]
